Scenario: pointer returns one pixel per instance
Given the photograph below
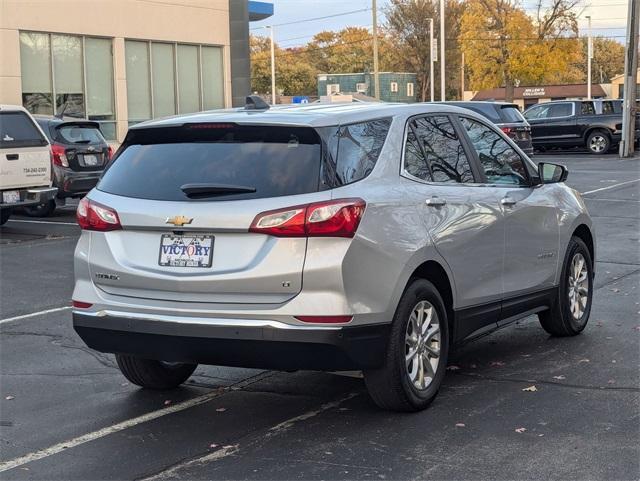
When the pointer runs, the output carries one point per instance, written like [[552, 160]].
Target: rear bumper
[[71, 183], [33, 196], [259, 344]]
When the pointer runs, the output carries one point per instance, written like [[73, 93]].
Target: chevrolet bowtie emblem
[[178, 220]]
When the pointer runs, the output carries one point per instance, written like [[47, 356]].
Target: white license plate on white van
[[11, 197], [186, 250]]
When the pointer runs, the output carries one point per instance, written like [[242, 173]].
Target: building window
[[410, 89], [333, 89], [168, 78], [361, 88], [394, 87], [70, 75]]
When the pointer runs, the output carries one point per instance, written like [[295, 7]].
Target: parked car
[[594, 124], [325, 237], [79, 154], [507, 117], [25, 164]]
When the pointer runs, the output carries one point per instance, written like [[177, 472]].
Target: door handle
[[13, 156], [508, 201], [436, 202]]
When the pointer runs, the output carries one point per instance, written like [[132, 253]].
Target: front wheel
[[152, 374], [598, 142], [570, 312], [417, 351]]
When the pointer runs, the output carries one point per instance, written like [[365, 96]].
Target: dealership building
[[126, 61]]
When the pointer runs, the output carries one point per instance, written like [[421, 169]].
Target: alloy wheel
[[578, 291], [597, 143], [422, 345]]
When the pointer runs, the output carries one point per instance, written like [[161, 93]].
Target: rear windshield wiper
[[194, 191]]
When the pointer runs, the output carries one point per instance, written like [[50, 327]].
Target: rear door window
[[587, 108], [18, 130], [510, 114], [434, 153], [157, 162], [79, 134]]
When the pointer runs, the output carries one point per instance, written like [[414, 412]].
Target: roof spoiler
[[255, 102]]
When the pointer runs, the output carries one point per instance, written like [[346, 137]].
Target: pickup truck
[[25, 162], [594, 124]]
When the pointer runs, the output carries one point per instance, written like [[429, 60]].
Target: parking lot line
[[610, 187], [24, 221], [34, 314], [85, 438]]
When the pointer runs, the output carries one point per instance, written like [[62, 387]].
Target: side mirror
[[552, 173]]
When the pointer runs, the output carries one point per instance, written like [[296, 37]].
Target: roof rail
[[255, 102]]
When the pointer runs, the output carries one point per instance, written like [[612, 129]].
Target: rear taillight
[[506, 130], [325, 319], [334, 218], [93, 216], [81, 304], [59, 156], [109, 153]]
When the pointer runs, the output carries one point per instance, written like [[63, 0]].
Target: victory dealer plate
[[186, 250]]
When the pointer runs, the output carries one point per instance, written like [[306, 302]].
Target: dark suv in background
[[506, 117], [79, 154], [594, 124]]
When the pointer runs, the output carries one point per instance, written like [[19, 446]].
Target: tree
[[608, 59], [408, 25], [294, 74], [504, 46]]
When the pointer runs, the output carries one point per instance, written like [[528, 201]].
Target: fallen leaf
[[613, 361], [559, 378], [611, 381], [521, 430], [497, 364], [221, 410], [9, 398], [452, 368], [584, 360], [213, 446], [540, 435], [460, 425], [167, 402], [530, 389]]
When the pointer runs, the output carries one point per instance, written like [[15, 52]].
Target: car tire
[[4, 216], [572, 306], [152, 374], [598, 142], [402, 385], [41, 210]]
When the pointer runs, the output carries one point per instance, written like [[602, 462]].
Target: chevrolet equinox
[[370, 237]]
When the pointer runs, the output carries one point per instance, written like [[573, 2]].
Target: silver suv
[[327, 237]]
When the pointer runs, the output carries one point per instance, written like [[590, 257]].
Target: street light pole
[[376, 77], [273, 68], [630, 81], [589, 56], [431, 79], [442, 37]]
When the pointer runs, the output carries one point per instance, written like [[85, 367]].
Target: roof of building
[[542, 91], [312, 115]]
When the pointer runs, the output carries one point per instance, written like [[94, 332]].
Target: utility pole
[[462, 78], [630, 81], [442, 37], [589, 57], [431, 79], [273, 68], [376, 77]]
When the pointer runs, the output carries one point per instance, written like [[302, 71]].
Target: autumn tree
[[408, 25], [503, 45], [607, 61], [294, 74]]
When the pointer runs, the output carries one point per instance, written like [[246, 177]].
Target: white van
[[25, 162]]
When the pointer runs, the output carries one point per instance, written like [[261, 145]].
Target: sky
[[293, 27]]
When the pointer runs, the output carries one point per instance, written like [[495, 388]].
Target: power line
[[316, 18]]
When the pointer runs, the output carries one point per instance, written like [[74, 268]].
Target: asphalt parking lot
[[67, 412]]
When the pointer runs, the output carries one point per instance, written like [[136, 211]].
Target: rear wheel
[[598, 142], [152, 374], [417, 352], [570, 312], [41, 210], [4, 216]]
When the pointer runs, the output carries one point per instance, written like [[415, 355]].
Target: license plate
[[90, 160], [11, 197], [186, 250]]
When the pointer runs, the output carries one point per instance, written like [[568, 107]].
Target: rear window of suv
[[156, 163], [79, 134], [18, 130]]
